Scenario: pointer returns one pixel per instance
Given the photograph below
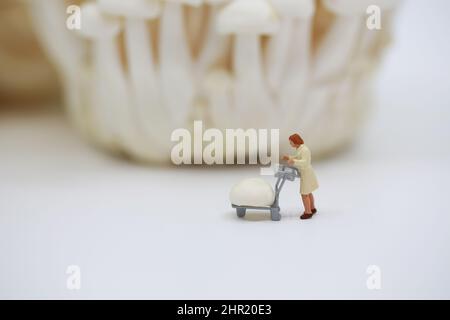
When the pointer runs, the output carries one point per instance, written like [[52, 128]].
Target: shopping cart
[[283, 173]]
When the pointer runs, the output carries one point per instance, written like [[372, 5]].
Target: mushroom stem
[[195, 26], [61, 45], [251, 95], [101, 108], [218, 90], [144, 81], [293, 91], [64, 49], [175, 64], [113, 95], [278, 52], [214, 45], [371, 41], [336, 50]]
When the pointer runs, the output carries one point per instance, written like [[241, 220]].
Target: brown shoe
[[314, 211], [306, 216]]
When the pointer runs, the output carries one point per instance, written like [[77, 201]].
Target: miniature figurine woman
[[308, 180]]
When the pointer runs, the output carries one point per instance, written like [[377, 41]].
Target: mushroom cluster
[[26, 76], [138, 69]]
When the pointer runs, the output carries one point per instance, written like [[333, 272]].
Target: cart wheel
[[275, 214], [240, 212]]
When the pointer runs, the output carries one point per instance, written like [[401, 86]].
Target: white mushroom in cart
[[257, 194]]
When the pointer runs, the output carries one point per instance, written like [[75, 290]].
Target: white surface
[[140, 232]]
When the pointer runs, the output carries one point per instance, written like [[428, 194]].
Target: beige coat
[[302, 160]]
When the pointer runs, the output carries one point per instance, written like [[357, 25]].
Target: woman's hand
[[291, 162], [286, 158]]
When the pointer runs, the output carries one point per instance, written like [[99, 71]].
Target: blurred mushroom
[[141, 63], [294, 33], [248, 20], [65, 50], [214, 44], [176, 65], [335, 52], [107, 73], [218, 86]]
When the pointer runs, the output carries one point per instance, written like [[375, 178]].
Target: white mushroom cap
[[145, 9], [295, 8], [356, 7], [95, 24], [248, 17], [252, 192]]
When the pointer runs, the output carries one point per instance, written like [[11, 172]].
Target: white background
[[139, 232]]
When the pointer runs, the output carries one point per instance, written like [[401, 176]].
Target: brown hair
[[296, 139]]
